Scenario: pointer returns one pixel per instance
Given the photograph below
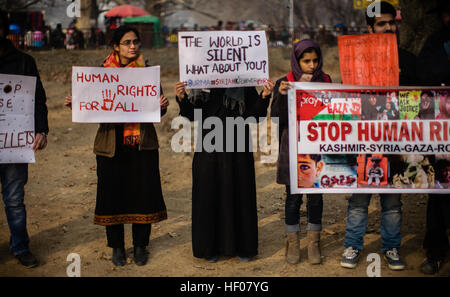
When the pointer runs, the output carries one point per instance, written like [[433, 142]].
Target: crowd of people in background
[[276, 36], [72, 37], [45, 38]]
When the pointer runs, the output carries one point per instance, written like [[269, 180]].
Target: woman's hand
[[306, 77], [284, 87], [164, 102], [180, 90], [268, 88], [68, 101], [40, 141]]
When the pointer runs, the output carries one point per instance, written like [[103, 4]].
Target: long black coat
[[433, 63], [224, 212]]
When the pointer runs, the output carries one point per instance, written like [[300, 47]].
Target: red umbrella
[[126, 11]]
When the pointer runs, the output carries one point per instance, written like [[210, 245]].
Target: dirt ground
[[60, 199]]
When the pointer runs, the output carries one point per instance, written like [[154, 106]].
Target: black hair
[[429, 93], [120, 32], [308, 50], [4, 22], [385, 7], [315, 157]]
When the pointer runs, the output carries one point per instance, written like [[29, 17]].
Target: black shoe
[[118, 257], [140, 255], [27, 259], [430, 267]]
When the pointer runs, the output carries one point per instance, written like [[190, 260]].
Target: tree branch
[[26, 5]]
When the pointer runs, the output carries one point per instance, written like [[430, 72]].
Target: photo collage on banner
[[370, 138]]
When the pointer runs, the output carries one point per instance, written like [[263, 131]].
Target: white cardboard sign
[[223, 59], [17, 118], [116, 95]]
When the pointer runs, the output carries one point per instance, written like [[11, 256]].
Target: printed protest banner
[[17, 118], [222, 59], [355, 139], [369, 59], [116, 95]]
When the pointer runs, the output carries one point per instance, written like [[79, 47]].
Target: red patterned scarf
[[131, 131]]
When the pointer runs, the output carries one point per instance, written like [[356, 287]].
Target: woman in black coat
[[224, 213]]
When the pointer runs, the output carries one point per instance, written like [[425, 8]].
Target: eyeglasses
[[135, 42]]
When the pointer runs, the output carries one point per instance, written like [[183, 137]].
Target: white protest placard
[[116, 95], [17, 118], [223, 59]]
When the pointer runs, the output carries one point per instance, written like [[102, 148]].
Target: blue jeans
[[391, 221], [13, 178]]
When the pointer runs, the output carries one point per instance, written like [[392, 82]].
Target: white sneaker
[[392, 256], [350, 257]]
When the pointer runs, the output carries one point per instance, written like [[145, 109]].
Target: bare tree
[[310, 13], [14, 5], [327, 12], [168, 6]]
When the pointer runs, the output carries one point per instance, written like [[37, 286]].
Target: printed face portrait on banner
[[442, 105], [367, 139], [309, 168]]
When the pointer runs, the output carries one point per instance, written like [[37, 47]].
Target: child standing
[[306, 66]]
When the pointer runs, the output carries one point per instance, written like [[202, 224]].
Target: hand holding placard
[[268, 88], [180, 90], [284, 87]]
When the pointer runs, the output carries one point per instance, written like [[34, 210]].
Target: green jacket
[[105, 140]]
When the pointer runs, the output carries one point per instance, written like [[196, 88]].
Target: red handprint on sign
[[108, 100]]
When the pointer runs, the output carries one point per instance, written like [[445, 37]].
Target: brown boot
[[314, 247], [293, 247]]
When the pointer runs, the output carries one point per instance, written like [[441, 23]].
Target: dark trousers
[[13, 178], [115, 235], [438, 217], [314, 208]]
